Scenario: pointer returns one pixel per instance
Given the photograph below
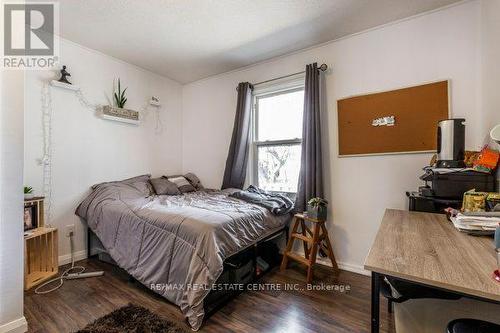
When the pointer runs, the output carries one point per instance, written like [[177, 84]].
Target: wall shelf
[[108, 112], [122, 120], [121, 115], [58, 84]]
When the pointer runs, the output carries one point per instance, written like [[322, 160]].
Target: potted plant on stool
[[28, 192], [316, 208]]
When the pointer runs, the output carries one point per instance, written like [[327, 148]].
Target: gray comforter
[[175, 245]]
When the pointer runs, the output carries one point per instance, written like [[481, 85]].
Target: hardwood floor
[[80, 302]]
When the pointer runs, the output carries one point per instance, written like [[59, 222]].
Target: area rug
[[132, 319]]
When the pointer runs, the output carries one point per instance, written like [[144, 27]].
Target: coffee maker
[[451, 143]]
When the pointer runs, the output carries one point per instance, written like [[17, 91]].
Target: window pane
[[280, 116], [279, 167]]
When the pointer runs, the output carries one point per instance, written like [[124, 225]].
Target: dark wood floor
[[80, 302]]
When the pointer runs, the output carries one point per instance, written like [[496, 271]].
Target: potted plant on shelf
[[316, 208], [28, 192], [119, 112], [120, 98]]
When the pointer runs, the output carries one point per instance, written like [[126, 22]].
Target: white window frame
[[290, 85]]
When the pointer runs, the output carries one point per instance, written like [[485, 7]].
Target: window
[[277, 120]]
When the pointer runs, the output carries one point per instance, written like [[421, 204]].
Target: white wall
[[490, 32], [11, 202], [88, 149], [440, 45]]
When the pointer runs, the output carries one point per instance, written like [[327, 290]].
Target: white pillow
[[182, 183]]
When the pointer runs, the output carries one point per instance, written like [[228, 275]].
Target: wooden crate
[[40, 256]]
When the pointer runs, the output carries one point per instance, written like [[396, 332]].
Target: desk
[[426, 249]]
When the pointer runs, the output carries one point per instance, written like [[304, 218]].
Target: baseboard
[[342, 265], [19, 325], [353, 268], [80, 255], [66, 258]]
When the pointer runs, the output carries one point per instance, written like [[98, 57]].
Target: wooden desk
[[426, 249]]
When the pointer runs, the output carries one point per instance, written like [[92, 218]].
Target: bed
[[175, 245]]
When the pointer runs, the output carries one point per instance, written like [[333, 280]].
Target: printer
[[453, 183], [445, 187]]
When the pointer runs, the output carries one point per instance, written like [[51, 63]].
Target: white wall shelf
[[119, 119], [121, 115], [64, 85]]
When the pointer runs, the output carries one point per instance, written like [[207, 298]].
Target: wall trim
[[19, 325], [66, 258], [345, 266], [350, 267]]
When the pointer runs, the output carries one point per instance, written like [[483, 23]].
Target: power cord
[[67, 274]]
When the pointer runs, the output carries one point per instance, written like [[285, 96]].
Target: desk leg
[[375, 302]]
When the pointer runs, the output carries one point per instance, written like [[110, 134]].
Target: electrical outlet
[[70, 230]]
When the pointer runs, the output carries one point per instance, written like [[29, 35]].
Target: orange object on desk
[[487, 161]]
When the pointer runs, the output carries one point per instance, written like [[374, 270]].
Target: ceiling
[[187, 40]]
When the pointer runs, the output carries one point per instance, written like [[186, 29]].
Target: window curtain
[[237, 159], [311, 170]]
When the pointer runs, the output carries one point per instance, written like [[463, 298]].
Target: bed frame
[[95, 248]]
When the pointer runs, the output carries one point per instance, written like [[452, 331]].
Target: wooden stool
[[317, 238]]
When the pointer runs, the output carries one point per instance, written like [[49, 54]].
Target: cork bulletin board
[[362, 126]]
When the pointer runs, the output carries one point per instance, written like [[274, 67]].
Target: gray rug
[[132, 319]]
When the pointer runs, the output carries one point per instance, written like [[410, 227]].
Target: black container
[[238, 270], [420, 203], [241, 269]]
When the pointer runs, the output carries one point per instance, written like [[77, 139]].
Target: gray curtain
[[237, 158], [311, 170]]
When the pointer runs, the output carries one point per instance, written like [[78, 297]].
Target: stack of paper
[[471, 222]]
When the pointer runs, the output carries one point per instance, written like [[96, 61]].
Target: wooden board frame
[[439, 115]]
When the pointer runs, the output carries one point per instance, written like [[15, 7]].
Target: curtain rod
[[322, 68]]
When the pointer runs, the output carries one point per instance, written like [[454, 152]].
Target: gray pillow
[[182, 183], [164, 186], [138, 179], [194, 180]]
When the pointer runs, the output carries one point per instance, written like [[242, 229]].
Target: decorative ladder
[[312, 242]]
